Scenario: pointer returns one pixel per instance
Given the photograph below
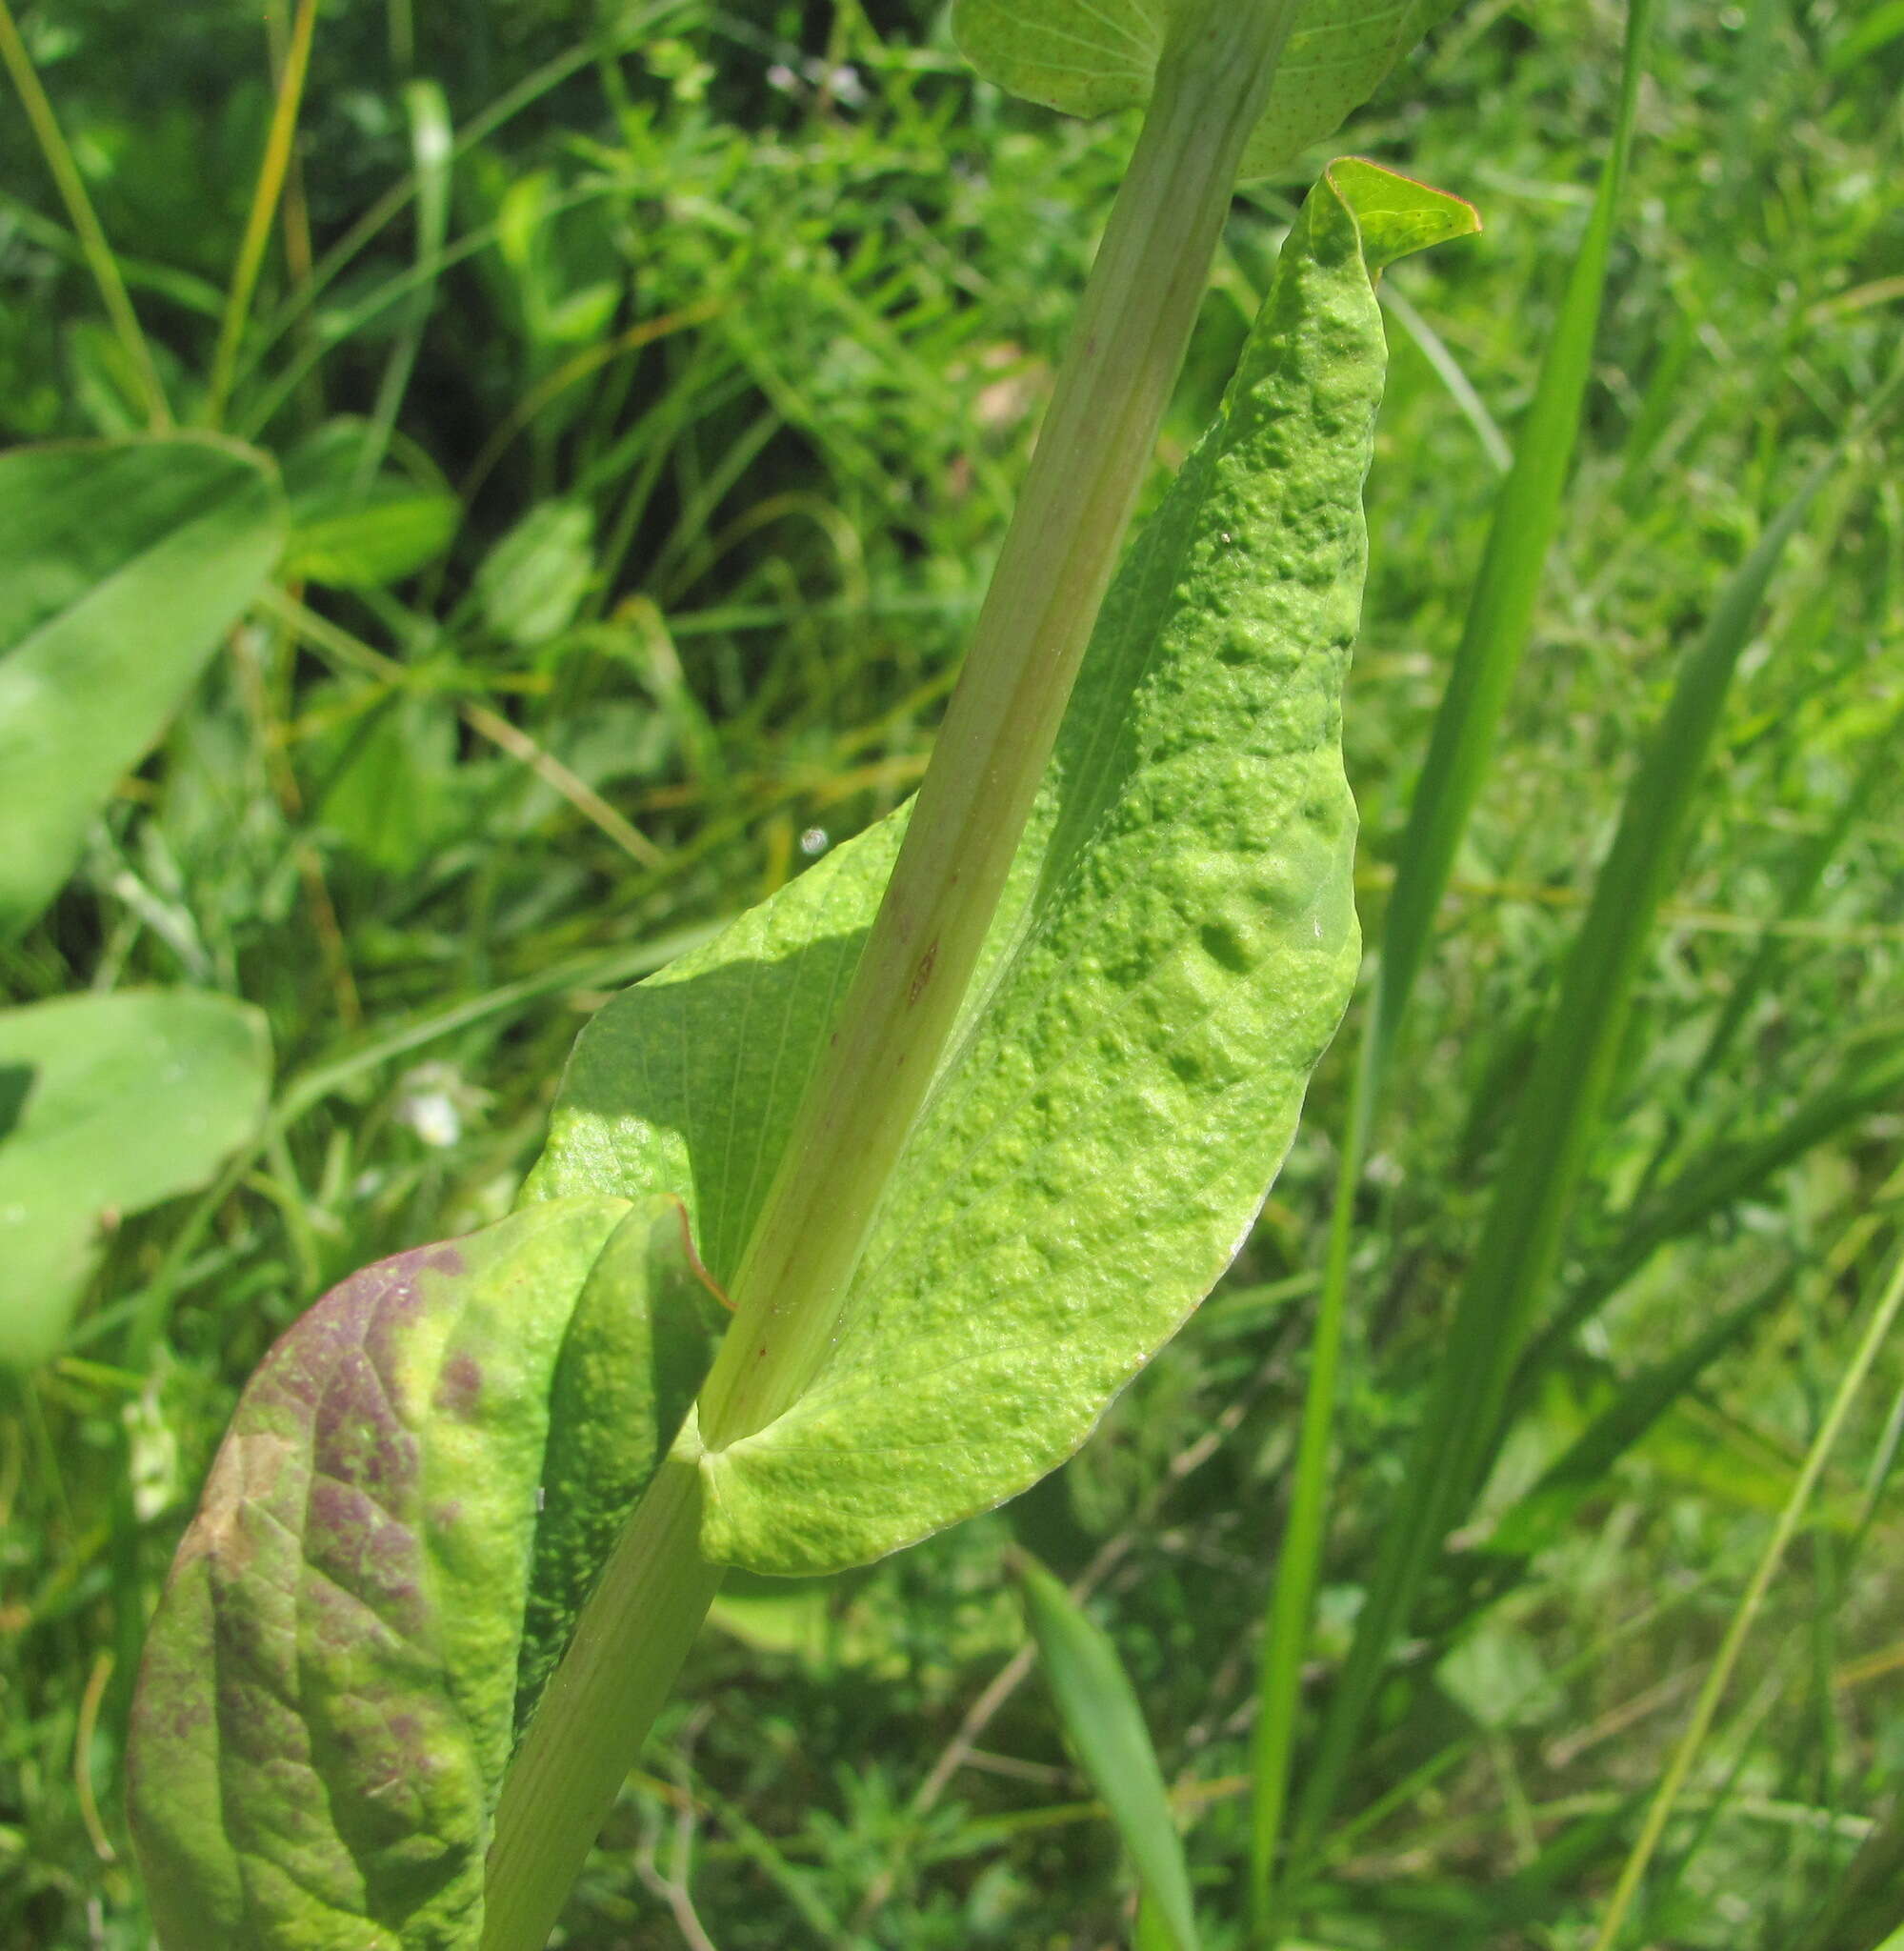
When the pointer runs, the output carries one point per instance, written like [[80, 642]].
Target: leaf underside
[[414, 1496], [1088, 57], [1177, 945]]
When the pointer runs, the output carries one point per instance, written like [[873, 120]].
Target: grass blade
[[1535, 1519], [1106, 1726], [1526, 515], [1555, 1122], [338, 258], [1883, 1317], [1867, 1902], [1500, 612], [431, 145], [272, 175], [1539, 1516], [1882, 24], [1450, 372]]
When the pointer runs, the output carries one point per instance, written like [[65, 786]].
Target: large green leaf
[[108, 1104], [120, 568], [1088, 57], [414, 1496], [1174, 950]]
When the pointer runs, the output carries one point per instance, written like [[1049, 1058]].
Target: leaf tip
[[1396, 214]]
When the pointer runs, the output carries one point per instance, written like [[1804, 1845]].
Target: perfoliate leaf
[[120, 568], [414, 1496], [107, 1105], [1088, 57], [1174, 949]]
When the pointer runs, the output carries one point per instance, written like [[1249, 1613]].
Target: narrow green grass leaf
[[636, 26], [1556, 1119], [1500, 610], [408, 1513], [1101, 1714], [120, 568], [93, 247], [1451, 374], [71, 1160], [1876, 30], [1462, 749], [274, 166], [1804, 878], [432, 146], [1153, 1932], [1866, 1905]]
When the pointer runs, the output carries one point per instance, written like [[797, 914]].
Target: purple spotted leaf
[[414, 1496]]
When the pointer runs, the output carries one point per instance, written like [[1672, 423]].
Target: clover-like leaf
[[358, 532], [74, 1161], [1177, 945], [1088, 57], [414, 1498], [121, 565]]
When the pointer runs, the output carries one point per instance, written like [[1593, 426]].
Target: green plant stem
[[1883, 1317], [1127, 350], [272, 175], [602, 1700], [1093, 453], [72, 187]]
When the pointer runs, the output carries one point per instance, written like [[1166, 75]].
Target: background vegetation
[[685, 359]]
